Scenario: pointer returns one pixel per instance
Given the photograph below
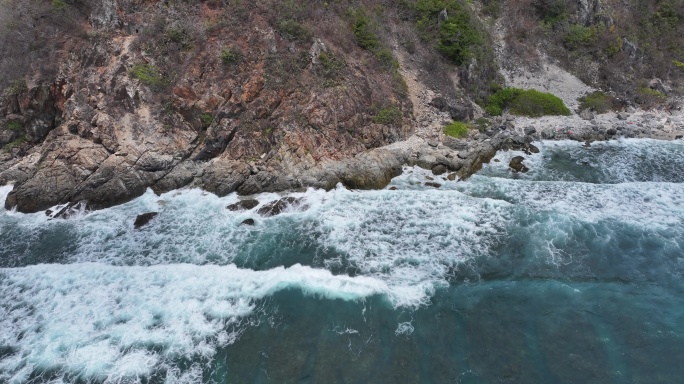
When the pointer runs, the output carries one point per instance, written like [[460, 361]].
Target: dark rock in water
[[243, 205], [611, 132], [452, 176], [678, 137], [392, 188], [434, 185], [586, 144], [68, 210], [497, 160], [532, 148], [48, 212], [439, 169], [277, 207], [248, 222], [517, 164], [144, 219], [429, 178]]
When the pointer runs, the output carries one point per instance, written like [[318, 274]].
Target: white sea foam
[[103, 322], [653, 205], [616, 161], [117, 312]]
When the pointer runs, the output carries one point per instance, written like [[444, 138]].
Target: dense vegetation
[[526, 103], [616, 45]]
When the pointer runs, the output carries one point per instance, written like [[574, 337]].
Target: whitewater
[[571, 272]]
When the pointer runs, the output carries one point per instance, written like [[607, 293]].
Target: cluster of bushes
[[459, 37], [366, 37], [625, 43], [527, 102], [599, 102]]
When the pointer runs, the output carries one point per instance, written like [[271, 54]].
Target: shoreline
[[444, 155]]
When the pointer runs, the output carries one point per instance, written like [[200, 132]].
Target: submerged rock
[[432, 184], [277, 207], [517, 164], [248, 222], [144, 219], [243, 205]]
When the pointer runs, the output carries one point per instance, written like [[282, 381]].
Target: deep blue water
[[571, 273]]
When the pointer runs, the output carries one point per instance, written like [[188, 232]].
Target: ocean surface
[[571, 273]]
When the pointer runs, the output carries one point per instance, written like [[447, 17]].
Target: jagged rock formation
[[104, 99]]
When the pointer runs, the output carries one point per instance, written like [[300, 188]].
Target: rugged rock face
[[119, 120], [245, 97]]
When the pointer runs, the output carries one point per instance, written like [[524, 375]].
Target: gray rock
[[530, 130], [587, 114], [623, 116], [243, 205], [277, 207]]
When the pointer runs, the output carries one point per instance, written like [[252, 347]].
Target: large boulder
[[459, 111]]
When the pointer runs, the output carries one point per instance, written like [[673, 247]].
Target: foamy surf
[[100, 322], [409, 283]]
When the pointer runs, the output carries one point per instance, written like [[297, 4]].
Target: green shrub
[[293, 30], [552, 11], [386, 59], [534, 103], [149, 75], [458, 38], [526, 103], [229, 56], [19, 141], [331, 65], [491, 8], [501, 100], [14, 125], [650, 97], [388, 115], [206, 119], [59, 4], [456, 129], [16, 88], [363, 31], [598, 101], [579, 35]]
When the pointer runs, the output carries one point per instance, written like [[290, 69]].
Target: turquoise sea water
[[571, 273]]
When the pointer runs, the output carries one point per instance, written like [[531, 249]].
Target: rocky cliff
[[105, 99]]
